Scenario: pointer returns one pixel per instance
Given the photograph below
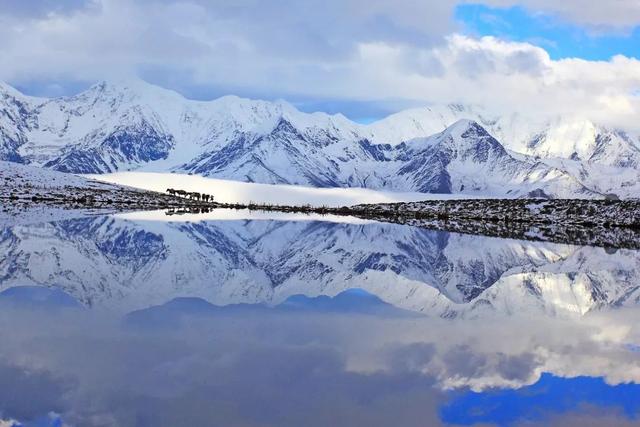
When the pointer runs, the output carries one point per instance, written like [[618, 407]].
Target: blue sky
[[560, 38]]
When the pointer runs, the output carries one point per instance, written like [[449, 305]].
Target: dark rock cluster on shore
[[585, 212], [605, 223]]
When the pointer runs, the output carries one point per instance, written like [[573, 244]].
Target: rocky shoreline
[[116, 198], [604, 223], [559, 212]]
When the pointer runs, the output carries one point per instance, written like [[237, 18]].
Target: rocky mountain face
[[127, 265], [466, 158], [449, 149]]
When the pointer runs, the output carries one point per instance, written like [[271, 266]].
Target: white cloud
[[379, 51], [506, 76], [599, 15]]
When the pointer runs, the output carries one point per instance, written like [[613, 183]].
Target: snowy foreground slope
[[447, 149], [32, 194]]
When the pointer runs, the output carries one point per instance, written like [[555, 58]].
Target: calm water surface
[[250, 319]]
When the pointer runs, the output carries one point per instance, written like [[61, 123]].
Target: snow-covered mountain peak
[[422, 122], [461, 128], [131, 124], [136, 87], [129, 93], [463, 134], [7, 91]]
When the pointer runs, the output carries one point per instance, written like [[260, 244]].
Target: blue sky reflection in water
[[294, 343], [548, 398]]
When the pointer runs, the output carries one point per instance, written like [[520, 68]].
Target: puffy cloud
[[506, 76], [388, 54]]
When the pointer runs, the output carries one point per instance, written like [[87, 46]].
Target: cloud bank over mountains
[[334, 53]]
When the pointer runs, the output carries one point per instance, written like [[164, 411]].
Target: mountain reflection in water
[[285, 321]]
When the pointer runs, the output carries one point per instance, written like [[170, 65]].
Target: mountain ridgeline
[[443, 149]]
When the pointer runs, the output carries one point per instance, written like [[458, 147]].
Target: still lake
[[237, 318]]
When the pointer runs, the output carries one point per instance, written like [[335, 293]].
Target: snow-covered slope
[[569, 137], [465, 158], [30, 194], [20, 183], [132, 125]]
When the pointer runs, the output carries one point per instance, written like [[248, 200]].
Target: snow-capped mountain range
[[133, 125], [126, 265]]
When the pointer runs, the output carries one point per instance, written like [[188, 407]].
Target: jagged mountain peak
[[463, 127], [464, 133], [283, 126], [12, 94], [7, 90], [469, 134], [133, 86], [246, 112], [127, 93], [131, 124]]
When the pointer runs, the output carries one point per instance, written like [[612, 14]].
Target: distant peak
[[132, 87], [109, 86], [229, 98], [465, 129], [6, 88], [462, 126], [125, 83], [464, 123], [284, 125]]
